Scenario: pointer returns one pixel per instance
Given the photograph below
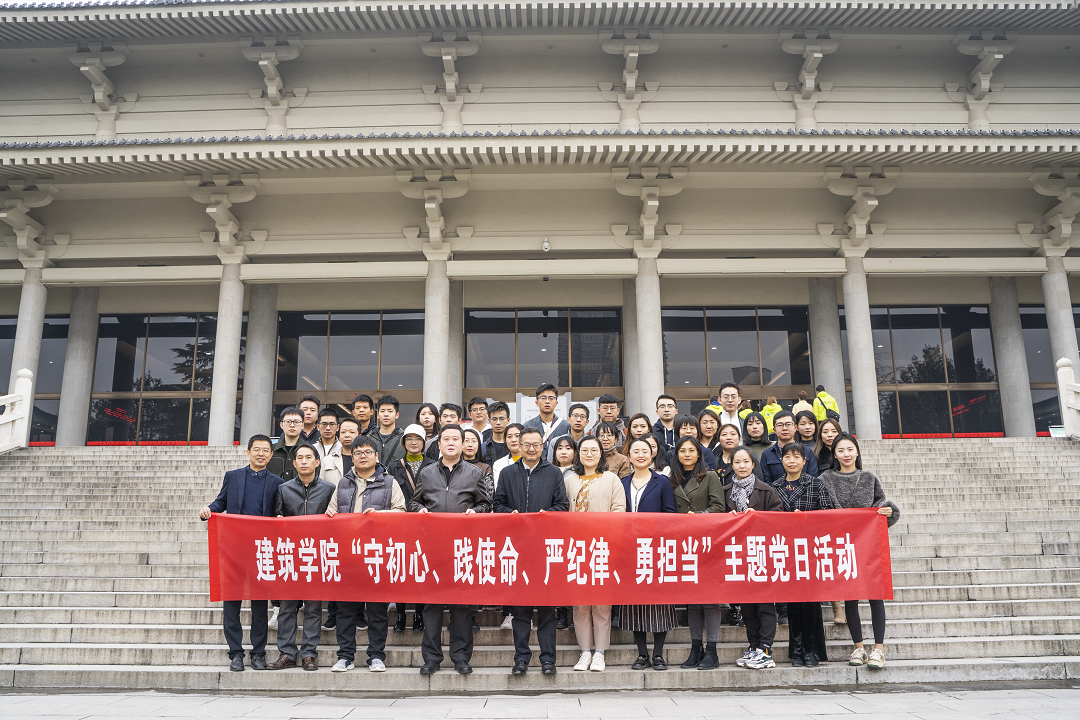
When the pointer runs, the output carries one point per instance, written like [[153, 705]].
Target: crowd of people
[[726, 459]]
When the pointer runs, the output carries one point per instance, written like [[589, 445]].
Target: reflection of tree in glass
[[923, 411]]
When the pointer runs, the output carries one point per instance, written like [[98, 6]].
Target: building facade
[[212, 208]]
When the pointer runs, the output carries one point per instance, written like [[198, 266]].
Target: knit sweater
[[860, 489]]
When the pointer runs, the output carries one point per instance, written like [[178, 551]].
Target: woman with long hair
[[647, 491], [564, 454], [639, 426], [708, 427], [658, 460], [698, 489], [728, 438], [427, 417], [827, 432], [591, 487], [756, 434], [687, 426], [806, 429], [852, 487]]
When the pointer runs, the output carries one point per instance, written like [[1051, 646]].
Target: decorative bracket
[[16, 200], [1064, 186], [269, 51], [813, 44], [219, 194], [990, 47], [864, 187], [433, 188], [92, 57], [449, 49], [649, 186], [631, 47]]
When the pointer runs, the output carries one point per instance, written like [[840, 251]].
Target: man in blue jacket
[[771, 460], [247, 491]]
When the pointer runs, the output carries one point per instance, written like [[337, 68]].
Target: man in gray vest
[[366, 488]]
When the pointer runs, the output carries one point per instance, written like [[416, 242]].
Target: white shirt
[[500, 465], [735, 420]]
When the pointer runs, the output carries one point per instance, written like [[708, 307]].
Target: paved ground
[[1060, 701]]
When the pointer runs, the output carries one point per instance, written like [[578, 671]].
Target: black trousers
[[461, 634], [545, 633], [806, 628], [234, 631], [760, 619], [377, 619], [877, 617]]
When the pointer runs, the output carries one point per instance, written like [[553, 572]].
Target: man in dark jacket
[[291, 423], [305, 494], [549, 424], [772, 459], [449, 485], [532, 485], [387, 435], [247, 491]]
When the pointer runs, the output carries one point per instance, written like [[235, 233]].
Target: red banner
[[555, 558]]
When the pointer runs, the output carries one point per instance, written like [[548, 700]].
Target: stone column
[[79, 360], [1059, 311], [1010, 359], [230, 323], [826, 348], [650, 340], [436, 326], [455, 366], [27, 350], [260, 363], [860, 340], [631, 370]]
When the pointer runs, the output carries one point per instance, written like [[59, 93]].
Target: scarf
[[413, 461], [581, 502], [740, 491]]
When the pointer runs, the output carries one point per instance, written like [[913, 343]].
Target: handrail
[[1069, 398], [18, 410]]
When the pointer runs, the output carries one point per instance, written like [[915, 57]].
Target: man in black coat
[[532, 485], [247, 491]]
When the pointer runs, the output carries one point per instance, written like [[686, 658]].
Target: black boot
[[709, 660], [781, 614], [399, 623], [795, 648], [417, 621], [560, 618], [735, 618], [695, 654]]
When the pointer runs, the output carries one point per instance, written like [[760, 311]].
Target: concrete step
[[991, 562], [960, 593]]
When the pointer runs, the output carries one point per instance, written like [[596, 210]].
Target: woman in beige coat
[[591, 488]]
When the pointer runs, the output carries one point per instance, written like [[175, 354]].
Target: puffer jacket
[[295, 498], [524, 490], [465, 490], [379, 492]]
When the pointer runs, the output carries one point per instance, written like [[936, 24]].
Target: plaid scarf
[[740, 491]]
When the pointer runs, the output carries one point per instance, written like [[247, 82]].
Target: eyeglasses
[[532, 446], [365, 453], [327, 425], [549, 398], [667, 406], [292, 422], [579, 416], [784, 425]]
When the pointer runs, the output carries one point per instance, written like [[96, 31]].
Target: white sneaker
[[877, 659], [858, 657], [272, 622], [760, 661], [584, 660], [741, 662], [508, 623], [342, 666], [377, 665], [598, 663]]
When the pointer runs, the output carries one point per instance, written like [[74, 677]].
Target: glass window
[[402, 364], [785, 352], [969, 351], [1047, 411], [684, 347], [112, 422], [204, 357], [733, 347], [43, 421], [595, 348], [168, 352], [354, 352], [50, 372], [115, 369], [490, 349], [8, 326], [976, 413], [1040, 359], [164, 421], [543, 348], [890, 414], [883, 350], [302, 340], [925, 413], [200, 420], [916, 336]]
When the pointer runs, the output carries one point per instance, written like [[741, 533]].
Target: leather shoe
[[520, 668], [548, 668], [429, 668], [258, 662], [658, 663], [641, 663], [311, 663], [463, 667], [237, 664], [282, 663]]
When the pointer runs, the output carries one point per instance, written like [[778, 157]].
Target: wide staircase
[[103, 582]]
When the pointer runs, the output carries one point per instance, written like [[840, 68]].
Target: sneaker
[[741, 662], [858, 657], [361, 624], [342, 665], [598, 663], [508, 623], [877, 659], [272, 622], [377, 665], [584, 661], [760, 661]]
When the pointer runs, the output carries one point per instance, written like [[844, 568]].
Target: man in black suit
[[247, 491]]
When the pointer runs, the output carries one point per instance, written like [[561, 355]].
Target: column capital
[[441, 253], [643, 252]]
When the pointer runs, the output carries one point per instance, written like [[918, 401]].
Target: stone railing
[[1069, 398], [18, 408]]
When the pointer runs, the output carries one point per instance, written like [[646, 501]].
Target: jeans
[[545, 633], [348, 613], [704, 618], [234, 632], [286, 640]]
